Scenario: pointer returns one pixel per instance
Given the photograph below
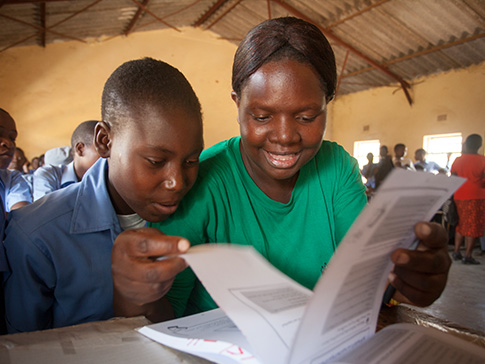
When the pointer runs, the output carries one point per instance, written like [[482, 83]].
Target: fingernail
[[183, 245], [402, 259], [424, 229]]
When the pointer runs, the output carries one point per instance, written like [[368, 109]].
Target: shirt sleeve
[[349, 192], [19, 191], [28, 286], [45, 181]]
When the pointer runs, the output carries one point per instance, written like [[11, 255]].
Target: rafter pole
[[224, 14], [135, 18], [342, 71], [405, 86], [360, 12], [145, 9], [421, 53], [209, 12], [43, 33], [40, 28]]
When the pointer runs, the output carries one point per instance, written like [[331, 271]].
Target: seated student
[[59, 248], [423, 165], [51, 178], [59, 155], [400, 160], [19, 161], [14, 189], [278, 187]]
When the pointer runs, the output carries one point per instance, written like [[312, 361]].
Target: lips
[[166, 208], [282, 160]]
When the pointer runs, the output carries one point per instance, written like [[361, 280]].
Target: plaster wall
[[443, 103], [49, 91]]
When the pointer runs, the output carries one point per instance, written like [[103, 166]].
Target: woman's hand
[[420, 275]]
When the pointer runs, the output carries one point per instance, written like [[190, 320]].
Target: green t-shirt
[[298, 237]]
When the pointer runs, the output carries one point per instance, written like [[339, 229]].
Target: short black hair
[[5, 111], [399, 145], [84, 133], [138, 83], [285, 38], [473, 142]]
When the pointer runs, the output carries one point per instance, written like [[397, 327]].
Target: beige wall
[[50, 91], [457, 96]]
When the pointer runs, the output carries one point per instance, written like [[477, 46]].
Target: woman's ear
[[235, 98], [102, 139]]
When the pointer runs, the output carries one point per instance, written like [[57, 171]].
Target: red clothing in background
[[472, 167]]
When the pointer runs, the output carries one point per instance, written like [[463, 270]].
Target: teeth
[[284, 157]]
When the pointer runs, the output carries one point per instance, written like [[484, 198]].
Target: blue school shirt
[[15, 188], [59, 253], [51, 178]]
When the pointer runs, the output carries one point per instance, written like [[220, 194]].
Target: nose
[[5, 142], [174, 179], [285, 131]]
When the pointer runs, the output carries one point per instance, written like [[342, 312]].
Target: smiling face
[[282, 117], [153, 160], [8, 135]]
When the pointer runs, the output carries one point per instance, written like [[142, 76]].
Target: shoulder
[[333, 155], [45, 211], [10, 176], [48, 170], [219, 159]]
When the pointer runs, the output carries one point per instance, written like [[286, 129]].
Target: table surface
[[116, 341]]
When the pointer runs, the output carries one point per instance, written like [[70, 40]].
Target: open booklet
[[265, 317]]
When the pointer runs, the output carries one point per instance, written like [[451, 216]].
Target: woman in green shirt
[[278, 187]]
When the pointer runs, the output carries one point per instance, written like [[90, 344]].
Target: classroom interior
[[50, 90]]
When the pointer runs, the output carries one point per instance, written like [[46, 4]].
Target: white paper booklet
[[284, 322]]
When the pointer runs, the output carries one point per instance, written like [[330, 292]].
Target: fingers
[[431, 235], [149, 242], [137, 275], [148, 271], [428, 261], [416, 290], [140, 293], [420, 275]]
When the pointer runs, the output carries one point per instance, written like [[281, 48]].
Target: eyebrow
[[163, 150]]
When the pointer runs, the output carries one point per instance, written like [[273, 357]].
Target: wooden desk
[[116, 341]]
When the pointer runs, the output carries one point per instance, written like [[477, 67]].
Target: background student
[[14, 189], [278, 186], [53, 177], [59, 248]]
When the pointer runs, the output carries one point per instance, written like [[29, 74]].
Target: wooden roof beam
[[145, 9], [209, 12], [421, 53], [40, 28], [135, 18], [405, 86]]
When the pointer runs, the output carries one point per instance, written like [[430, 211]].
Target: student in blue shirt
[[50, 178], [59, 248], [14, 189]]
